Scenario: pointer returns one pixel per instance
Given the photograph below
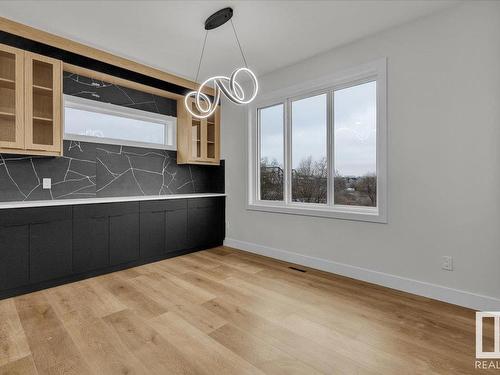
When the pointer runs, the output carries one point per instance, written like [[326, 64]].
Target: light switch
[[47, 183]]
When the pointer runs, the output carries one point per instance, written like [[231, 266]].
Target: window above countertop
[[93, 121]]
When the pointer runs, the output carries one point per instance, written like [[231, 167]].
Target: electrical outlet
[[447, 263], [47, 183]]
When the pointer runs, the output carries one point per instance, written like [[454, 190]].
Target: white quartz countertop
[[72, 202]]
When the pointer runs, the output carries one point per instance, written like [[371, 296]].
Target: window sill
[[368, 214]]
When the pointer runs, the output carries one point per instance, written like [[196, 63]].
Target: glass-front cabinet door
[[212, 137], [42, 102], [11, 98], [198, 139], [196, 134]]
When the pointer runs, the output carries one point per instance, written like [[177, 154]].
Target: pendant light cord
[[239, 45], [203, 51], [201, 57]]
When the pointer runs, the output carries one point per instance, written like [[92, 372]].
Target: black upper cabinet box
[[14, 256]]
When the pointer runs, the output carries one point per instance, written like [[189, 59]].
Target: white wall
[[444, 171]]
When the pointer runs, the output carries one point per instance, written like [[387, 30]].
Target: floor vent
[[297, 269]]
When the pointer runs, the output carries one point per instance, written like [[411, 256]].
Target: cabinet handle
[[14, 225]]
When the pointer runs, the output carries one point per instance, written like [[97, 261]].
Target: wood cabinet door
[[42, 102], [196, 135], [212, 138], [11, 97]]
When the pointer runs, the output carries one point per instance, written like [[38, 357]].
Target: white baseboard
[[421, 288]]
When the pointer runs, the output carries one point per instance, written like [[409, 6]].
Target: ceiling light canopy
[[229, 86]]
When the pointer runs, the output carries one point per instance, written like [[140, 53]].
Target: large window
[[92, 121], [320, 150]]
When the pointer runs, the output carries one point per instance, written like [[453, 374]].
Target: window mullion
[[331, 149], [288, 153]]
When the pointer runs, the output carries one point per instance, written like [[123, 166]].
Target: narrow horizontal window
[[89, 120]]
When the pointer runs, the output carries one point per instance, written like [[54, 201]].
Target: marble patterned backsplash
[[92, 170], [105, 92]]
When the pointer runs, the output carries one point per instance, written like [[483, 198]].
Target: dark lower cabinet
[[50, 250], [152, 234], [90, 243], [124, 246], [204, 221], [164, 227], [176, 226], [51, 245], [14, 256]]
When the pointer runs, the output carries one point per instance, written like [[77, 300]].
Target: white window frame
[[170, 122], [374, 71]]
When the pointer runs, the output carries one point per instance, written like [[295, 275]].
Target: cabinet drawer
[[177, 204], [164, 205], [88, 211], [105, 209], [21, 216], [153, 206], [203, 202]]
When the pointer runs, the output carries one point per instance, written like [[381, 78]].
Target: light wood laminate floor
[[224, 311]]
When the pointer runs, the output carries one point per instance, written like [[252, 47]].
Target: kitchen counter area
[[74, 202], [52, 242]]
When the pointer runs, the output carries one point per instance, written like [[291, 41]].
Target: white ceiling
[[169, 34]]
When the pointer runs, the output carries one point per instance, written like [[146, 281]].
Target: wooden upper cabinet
[[30, 103], [11, 98], [42, 77], [198, 140]]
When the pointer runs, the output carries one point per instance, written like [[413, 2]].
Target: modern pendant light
[[229, 86]]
